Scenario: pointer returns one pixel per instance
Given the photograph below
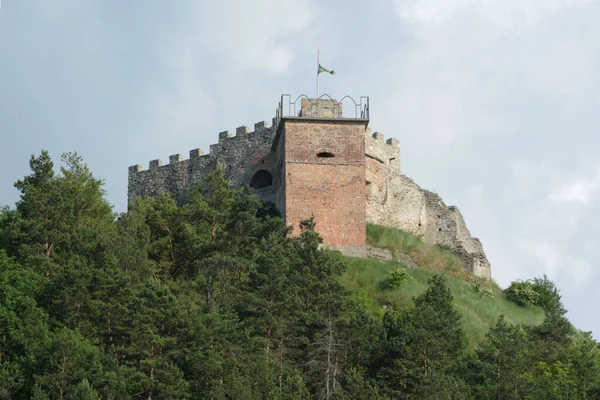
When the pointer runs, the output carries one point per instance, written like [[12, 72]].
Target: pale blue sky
[[495, 102]]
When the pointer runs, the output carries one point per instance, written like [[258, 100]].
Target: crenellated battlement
[[384, 151], [224, 138], [237, 155]]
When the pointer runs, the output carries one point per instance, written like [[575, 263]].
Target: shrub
[[480, 290], [523, 293], [549, 298], [398, 277]]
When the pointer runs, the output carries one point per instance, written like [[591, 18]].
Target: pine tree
[[150, 352], [84, 391], [586, 366], [70, 359], [505, 360], [424, 344], [24, 328], [53, 206], [44, 224]]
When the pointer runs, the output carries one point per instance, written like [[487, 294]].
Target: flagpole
[[318, 63]]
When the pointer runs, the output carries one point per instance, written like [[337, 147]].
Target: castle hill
[[299, 200], [293, 261]]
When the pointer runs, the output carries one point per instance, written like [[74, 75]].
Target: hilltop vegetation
[[215, 300], [479, 301]]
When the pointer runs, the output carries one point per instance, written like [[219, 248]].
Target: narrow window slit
[[325, 154]]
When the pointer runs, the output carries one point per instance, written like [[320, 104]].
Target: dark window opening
[[261, 179], [325, 154]]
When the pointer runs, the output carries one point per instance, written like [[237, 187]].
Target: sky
[[495, 102]]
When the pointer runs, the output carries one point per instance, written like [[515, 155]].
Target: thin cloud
[[577, 192], [580, 190], [506, 14], [253, 35]]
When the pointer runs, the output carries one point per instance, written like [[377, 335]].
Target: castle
[[314, 160]]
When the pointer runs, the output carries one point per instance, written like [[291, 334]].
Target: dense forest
[[215, 300]]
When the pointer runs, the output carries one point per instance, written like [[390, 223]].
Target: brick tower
[[322, 159]]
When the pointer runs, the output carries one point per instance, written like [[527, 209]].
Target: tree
[[549, 298], [70, 359], [586, 366], [84, 391], [10, 225], [505, 360], [439, 338], [52, 208], [44, 224], [83, 192], [24, 328], [149, 354], [551, 339], [424, 344]]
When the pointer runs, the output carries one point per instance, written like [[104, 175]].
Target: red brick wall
[[304, 139], [333, 189]]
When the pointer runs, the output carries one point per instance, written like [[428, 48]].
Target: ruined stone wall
[[240, 156], [395, 200]]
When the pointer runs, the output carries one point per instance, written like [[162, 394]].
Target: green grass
[[367, 281], [434, 258]]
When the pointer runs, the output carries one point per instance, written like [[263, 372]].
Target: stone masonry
[[319, 163]]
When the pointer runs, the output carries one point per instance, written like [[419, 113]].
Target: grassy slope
[[367, 280]]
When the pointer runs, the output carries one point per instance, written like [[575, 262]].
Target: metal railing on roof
[[289, 108]]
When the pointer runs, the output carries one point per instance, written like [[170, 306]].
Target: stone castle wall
[[386, 196], [395, 200], [241, 156]]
